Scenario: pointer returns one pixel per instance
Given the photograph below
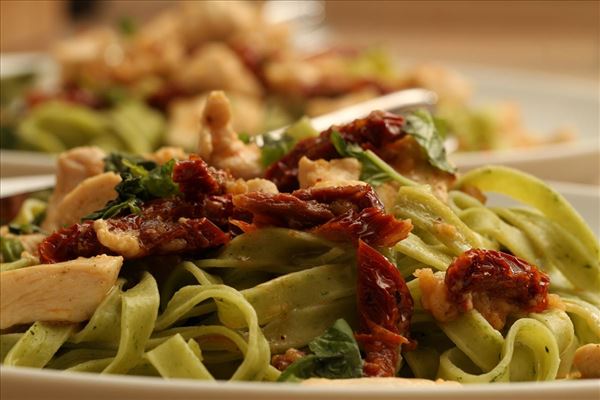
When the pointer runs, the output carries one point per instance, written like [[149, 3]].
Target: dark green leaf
[[158, 182], [24, 229], [142, 180], [374, 170], [115, 162], [336, 356], [11, 249], [422, 126]]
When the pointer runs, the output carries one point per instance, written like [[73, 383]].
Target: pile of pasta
[[271, 289]]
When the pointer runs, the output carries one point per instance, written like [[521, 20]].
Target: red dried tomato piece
[[500, 276], [164, 226], [385, 308], [196, 179], [372, 132], [283, 210], [78, 240], [371, 225], [342, 198]]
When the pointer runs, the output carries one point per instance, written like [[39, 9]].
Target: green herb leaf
[[142, 180], [11, 249], [374, 171], [336, 355], [24, 229], [426, 131]]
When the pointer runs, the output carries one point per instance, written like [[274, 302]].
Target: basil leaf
[[336, 356], [142, 180], [11, 249], [374, 170], [426, 131]]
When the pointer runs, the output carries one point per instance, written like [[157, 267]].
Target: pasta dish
[[357, 252]]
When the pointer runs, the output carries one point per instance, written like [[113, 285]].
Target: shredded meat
[[385, 308]]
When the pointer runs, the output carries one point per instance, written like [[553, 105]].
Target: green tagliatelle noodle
[[225, 315]]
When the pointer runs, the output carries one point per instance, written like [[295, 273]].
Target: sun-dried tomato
[[372, 132], [371, 225], [338, 213], [196, 179], [500, 276], [385, 309], [164, 226], [78, 240], [342, 198], [283, 209]]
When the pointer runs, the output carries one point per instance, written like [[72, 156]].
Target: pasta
[[322, 282]]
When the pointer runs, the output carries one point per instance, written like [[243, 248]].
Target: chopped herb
[[428, 132], [374, 171], [11, 249], [142, 180], [335, 356]]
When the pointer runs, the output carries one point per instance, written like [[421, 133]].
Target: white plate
[[548, 102], [25, 383]]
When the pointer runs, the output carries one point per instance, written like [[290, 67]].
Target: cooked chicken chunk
[[219, 144], [122, 242], [66, 292], [215, 66], [90, 195], [166, 154], [587, 361], [240, 186], [216, 20], [74, 166], [339, 171], [185, 118]]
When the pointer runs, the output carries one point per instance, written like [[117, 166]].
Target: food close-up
[[198, 192]]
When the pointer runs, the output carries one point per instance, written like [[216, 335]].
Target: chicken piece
[[90, 195], [64, 292], [219, 144], [204, 21], [449, 85], [185, 118], [336, 172], [83, 57], [74, 166], [166, 154], [587, 361], [435, 295], [240, 186], [216, 67], [124, 242]]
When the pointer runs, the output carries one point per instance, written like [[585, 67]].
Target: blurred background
[[550, 36]]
